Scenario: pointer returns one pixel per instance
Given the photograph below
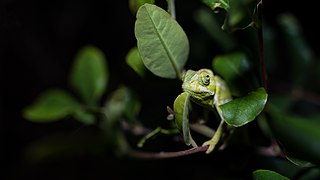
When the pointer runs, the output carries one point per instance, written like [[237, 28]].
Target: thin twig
[[164, 155]]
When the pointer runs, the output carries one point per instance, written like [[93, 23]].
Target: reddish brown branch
[[164, 155]]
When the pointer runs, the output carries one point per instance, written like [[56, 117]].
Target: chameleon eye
[[206, 80]]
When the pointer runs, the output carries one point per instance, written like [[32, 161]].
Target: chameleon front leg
[[215, 139]]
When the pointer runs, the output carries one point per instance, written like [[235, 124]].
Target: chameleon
[[206, 89]]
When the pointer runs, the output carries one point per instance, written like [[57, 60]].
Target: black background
[[38, 41]]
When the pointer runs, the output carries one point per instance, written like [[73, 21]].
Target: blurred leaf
[[121, 103], [213, 4], [299, 136], [240, 13], [206, 19], [234, 68], [52, 105], [135, 4], [299, 51], [133, 59], [84, 116], [89, 74], [59, 147], [263, 174], [162, 43], [241, 111], [300, 163]]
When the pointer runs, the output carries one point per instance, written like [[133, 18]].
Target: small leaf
[[84, 116], [234, 68], [89, 74], [133, 59], [50, 106], [162, 43], [241, 111], [263, 174], [121, 103]]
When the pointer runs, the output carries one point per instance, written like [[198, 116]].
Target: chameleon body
[[207, 90]]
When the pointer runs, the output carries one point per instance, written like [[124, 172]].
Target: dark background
[[38, 42]]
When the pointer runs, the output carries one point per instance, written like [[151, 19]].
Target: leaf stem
[[171, 8]]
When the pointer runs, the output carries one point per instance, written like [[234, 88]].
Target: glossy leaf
[[89, 74], [263, 174], [241, 111], [298, 136], [162, 43], [133, 59], [51, 106], [235, 70]]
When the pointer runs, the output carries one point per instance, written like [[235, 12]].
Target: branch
[[164, 155]]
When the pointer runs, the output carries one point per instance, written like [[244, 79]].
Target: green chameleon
[[207, 90]]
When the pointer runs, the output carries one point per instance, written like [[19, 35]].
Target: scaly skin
[[210, 91]]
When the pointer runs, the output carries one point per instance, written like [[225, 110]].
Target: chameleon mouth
[[199, 93]]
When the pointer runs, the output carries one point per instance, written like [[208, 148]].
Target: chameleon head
[[200, 85]]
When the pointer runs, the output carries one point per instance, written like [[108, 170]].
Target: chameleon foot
[[215, 139], [211, 144]]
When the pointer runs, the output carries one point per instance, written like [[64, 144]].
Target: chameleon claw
[[211, 145]]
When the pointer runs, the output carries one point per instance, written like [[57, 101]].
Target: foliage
[[288, 122]]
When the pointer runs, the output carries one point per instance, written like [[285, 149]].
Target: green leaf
[[240, 13], [214, 4], [298, 136], [162, 43], [121, 103], [263, 174], [50, 106], [84, 116], [241, 111], [135, 4], [133, 59], [89, 74], [300, 162], [181, 109], [235, 68]]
